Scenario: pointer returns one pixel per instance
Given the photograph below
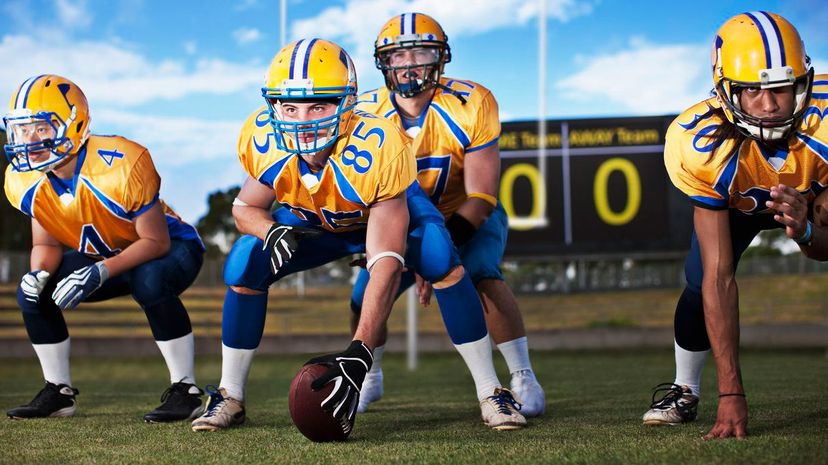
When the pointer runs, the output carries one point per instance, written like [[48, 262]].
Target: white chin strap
[[776, 133]]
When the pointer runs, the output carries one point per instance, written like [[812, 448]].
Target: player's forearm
[[379, 297], [45, 257], [721, 315], [252, 220], [475, 210], [137, 253]]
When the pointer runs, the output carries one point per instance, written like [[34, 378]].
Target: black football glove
[[347, 371], [282, 240]]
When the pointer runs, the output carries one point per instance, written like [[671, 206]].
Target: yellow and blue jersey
[[371, 161], [448, 130], [115, 181], [721, 176]]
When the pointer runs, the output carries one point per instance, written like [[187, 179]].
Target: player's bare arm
[[46, 250], [251, 210], [387, 229], [153, 242], [721, 313], [481, 176]]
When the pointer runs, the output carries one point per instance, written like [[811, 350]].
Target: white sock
[[376, 368], [478, 357], [179, 354], [689, 366], [516, 353], [54, 361], [235, 366]]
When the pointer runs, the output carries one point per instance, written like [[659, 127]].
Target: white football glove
[[79, 285], [33, 283]]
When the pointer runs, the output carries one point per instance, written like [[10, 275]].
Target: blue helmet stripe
[[293, 59], [28, 85], [764, 38], [402, 23], [778, 36], [307, 59], [413, 23]]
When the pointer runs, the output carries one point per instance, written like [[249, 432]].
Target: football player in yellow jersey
[[753, 157], [455, 126], [346, 183], [97, 196]]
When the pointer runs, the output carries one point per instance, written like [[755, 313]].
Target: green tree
[[15, 227], [217, 228]]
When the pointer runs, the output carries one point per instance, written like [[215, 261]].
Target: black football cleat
[[181, 401], [52, 401]]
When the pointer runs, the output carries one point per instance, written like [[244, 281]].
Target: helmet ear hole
[[80, 126]]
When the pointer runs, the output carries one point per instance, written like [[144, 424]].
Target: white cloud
[[246, 35], [190, 47], [645, 78], [193, 156], [73, 14], [356, 24], [114, 75], [177, 140]]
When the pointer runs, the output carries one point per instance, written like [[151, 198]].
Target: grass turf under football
[[595, 400]]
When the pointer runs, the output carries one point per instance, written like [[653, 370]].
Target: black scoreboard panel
[[605, 189]]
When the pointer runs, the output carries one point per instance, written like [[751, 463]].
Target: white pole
[[411, 330], [542, 107]]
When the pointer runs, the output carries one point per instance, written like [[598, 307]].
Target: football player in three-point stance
[[455, 126], [98, 196], [346, 183], [753, 157]]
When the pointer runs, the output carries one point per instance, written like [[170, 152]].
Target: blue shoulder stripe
[[108, 203], [452, 125], [143, 209], [709, 202], [481, 147], [815, 145], [722, 185], [27, 201], [344, 186], [273, 171]]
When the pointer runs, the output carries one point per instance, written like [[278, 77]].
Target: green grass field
[[595, 400]]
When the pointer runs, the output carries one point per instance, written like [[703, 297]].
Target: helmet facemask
[[421, 65], [325, 130], [766, 129], [22, 123]]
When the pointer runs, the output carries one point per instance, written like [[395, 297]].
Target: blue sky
[[180, 77]]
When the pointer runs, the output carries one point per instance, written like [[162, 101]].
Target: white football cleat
[[371, 390], [529, 393], [500, 411], [678, 405]]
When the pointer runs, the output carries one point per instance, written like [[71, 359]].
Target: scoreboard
[[603, 190]]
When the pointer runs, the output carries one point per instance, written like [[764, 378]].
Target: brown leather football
[[306, 408]]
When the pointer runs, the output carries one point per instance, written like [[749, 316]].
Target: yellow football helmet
[[310, 70], [412, 31], [761, 50], [46, 112]]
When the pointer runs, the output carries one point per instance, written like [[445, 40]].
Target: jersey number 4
[[92, 244]]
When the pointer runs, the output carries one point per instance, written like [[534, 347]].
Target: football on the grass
[[306, 408]]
